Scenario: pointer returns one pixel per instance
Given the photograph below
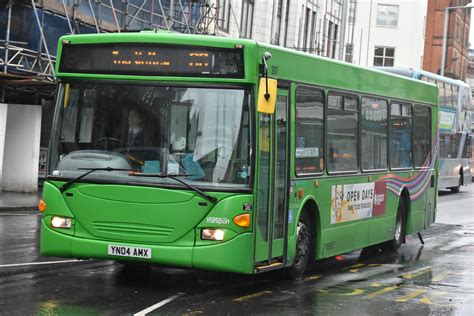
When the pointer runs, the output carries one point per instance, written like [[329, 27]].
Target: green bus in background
[[231, 155]]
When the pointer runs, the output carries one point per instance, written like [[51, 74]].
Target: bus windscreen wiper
[[72, 181], [175, 178]]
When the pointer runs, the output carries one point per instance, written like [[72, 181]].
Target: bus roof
[[337, 74], [310, 68], [417, 73]]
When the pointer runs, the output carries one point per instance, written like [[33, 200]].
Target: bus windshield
[[198, 133]]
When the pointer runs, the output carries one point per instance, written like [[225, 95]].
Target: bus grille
[[132, 229]]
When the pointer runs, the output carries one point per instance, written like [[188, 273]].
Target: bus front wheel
[[303, 247], [400, 225]]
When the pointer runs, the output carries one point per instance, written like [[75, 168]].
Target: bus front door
[[272, 200]]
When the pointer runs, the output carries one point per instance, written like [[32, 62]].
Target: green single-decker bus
[[231, 155]]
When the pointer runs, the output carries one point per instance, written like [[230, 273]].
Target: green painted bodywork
[[169, 221]]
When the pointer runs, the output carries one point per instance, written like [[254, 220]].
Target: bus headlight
[[212, 234], [61, 222]]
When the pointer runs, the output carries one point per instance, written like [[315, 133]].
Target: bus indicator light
[[300, 193], [42, 205], [242, 220]]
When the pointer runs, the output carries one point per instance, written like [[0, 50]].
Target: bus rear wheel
[[303, 247], [400, 225], [457, 188]]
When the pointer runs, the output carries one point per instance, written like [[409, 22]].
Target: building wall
[[21, 148], [457, 52], [406, 37], [283, 23]]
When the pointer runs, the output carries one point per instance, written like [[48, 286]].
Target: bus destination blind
[[152, 60]]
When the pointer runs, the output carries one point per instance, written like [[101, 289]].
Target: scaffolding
[[32, 29]]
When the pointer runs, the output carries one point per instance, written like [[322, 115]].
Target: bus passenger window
[[455, 95], [441, 94], [421, 135], [309, 130], [374, 134], [466, 152], [400, 135], [342, 134]]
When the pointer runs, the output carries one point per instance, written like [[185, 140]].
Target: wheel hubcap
[[302, 244], [398, 228]]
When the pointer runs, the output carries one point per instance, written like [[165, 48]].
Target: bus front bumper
[[234, 255]]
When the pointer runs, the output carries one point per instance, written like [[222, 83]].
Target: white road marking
[[36, 263], [158, 305]]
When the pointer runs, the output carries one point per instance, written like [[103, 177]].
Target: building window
[[276, 39], [313, 33], [309, 130], [384, 56], [287, 18], [223, 16], [352, 11], [387, 15], [458, 29], [332, 39], [246, 21], [306, 28], [455, 63]]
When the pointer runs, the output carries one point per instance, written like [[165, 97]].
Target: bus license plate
[[125, 251]]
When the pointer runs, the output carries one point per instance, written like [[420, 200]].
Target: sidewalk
[[14, 201]]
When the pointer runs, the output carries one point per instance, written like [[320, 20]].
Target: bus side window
[[466, 152], [455, 95], [441, 94], [400, 135], [309, 130], [374, 134], [421, 135], [342, 133], [449, 95]]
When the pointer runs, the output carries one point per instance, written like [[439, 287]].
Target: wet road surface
[[437, 278]]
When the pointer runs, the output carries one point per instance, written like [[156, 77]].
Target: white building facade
[[313, 26], [388, 33], [374, 32]]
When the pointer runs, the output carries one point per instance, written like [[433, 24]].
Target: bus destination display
[[152, 60]]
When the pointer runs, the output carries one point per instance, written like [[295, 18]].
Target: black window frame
[[246, 18], [325, 94], [430, 108], [384, 56], [357, 112], [223, 21], [387, 163], [391, 116]]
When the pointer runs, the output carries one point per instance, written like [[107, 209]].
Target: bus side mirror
[[267, 95]]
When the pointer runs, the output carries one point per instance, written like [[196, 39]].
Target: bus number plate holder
[[125, 251]]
